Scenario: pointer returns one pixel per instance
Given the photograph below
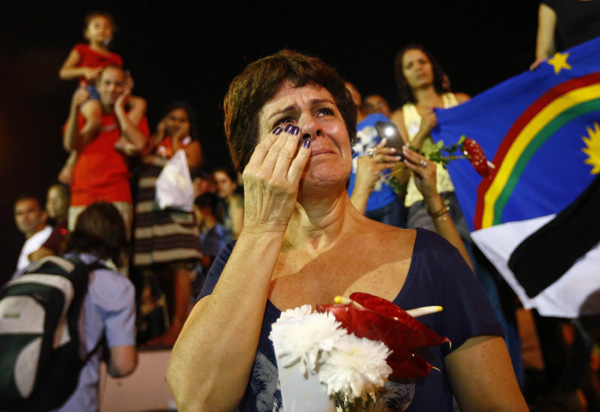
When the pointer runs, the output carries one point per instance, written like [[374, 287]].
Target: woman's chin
[[318, 179]]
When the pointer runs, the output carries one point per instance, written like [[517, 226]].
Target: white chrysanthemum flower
[[356, 368], [298, 312], [307, 339]]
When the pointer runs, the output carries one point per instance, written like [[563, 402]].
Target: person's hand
[[162, 127], [423, 172], [80, 97], [127, 148], [183, 132], [129, 83], [537, 63], [372, 163], [91, 74], [272, 179], [122, 100], [428, 120]]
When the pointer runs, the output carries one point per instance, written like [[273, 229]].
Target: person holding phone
[[376, 199]]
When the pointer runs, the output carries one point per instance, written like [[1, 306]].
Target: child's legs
[[92, 112]]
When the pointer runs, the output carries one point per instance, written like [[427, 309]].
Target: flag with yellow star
[[536, 217]]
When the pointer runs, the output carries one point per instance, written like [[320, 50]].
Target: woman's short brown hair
[[260, 81]]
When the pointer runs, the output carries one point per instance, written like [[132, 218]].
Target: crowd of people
[[311, 172]]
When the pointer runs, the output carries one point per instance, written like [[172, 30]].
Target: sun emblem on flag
[[592, 148]]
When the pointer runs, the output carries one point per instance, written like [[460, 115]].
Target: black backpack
[[40, 355]]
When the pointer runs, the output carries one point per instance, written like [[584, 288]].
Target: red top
[[92, 59], [165, 147], [102, 173]]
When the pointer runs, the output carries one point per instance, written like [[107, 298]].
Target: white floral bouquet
[[339, 356]]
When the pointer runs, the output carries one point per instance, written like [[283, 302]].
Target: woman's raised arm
[[212, 359]]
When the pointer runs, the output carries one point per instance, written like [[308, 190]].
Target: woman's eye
[[325, 111], [283, 120]]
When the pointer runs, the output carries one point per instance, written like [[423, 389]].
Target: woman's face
[[175, 120], [417, 68], [225, 186], [313, 109]]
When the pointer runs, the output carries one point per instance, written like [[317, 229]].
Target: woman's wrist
[[441, 212]]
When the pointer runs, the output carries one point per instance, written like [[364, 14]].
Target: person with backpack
[[99, 304], [109, 306]]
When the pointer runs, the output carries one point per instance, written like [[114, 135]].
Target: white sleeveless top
[[412, 122]]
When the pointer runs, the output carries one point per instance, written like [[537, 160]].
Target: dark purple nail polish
[[295, 131], [277, 131], [306, 143], [289, 128]]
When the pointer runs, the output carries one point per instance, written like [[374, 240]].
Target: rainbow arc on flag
[[540, 129]]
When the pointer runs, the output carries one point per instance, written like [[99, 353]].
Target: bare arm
[[367, 174], [237, 215], [462, 97], [212, 359], [425, 180], [398, 120], [129, 130], [428, 122], [70, 69], [42, 252], [545, 42], [193, 151], [481, 376], [73, 138], [122, 361]]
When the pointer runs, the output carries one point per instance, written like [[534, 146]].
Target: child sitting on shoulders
[[85, 62]]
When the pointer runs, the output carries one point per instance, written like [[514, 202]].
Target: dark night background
[[191, 52]]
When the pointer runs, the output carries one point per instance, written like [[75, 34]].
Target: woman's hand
[[372, 163], [428, 123], [425, 180], [182, 132], [272, 178], [428, 120], [161, 128], [369, 166], [423, 172]]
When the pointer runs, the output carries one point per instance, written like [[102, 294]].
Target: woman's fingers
[[381, 144], [287, 153], [299, 163], [411, 156], [262, 149]]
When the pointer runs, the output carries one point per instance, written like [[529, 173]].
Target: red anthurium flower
[[476, 156], [379, 319]]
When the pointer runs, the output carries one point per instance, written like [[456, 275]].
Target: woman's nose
[[310, 129]]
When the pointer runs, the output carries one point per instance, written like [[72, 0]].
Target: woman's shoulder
[[397, 115], [430, 242], [462, 97]]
